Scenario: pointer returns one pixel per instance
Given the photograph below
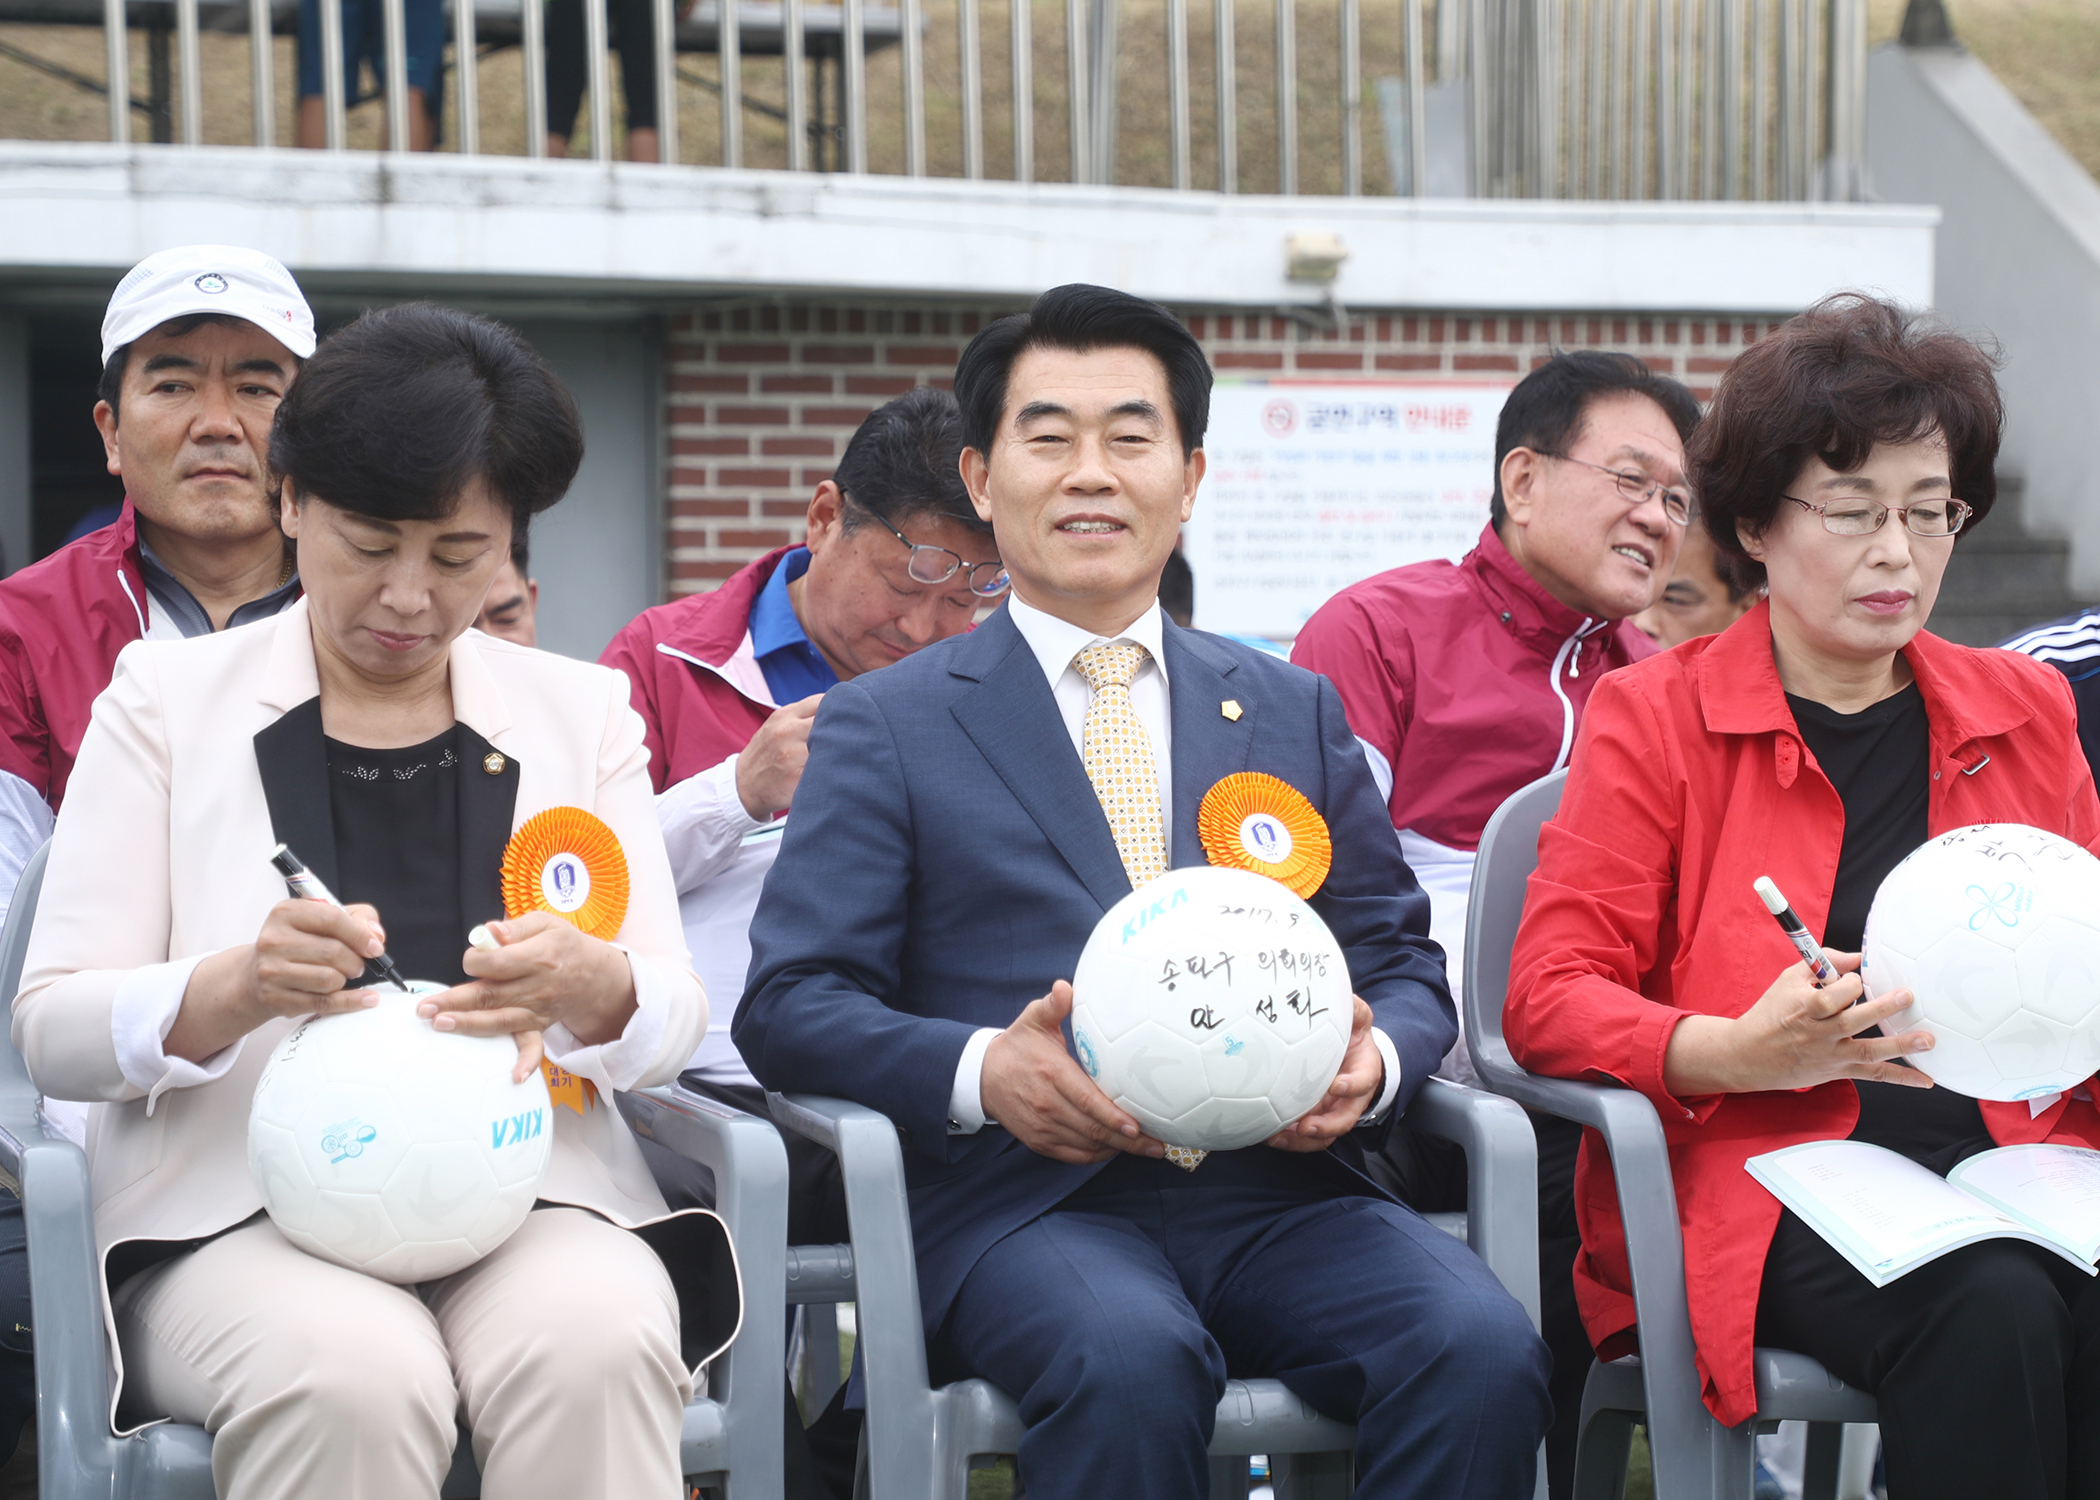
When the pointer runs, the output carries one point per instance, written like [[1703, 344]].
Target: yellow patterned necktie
[[1118, 756]]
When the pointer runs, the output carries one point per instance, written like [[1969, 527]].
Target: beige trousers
[[559, 1352]]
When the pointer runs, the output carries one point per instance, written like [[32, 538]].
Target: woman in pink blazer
[[395, 749]]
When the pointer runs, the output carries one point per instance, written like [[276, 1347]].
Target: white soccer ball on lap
[[1213, 1005], [395, 1149], [1995, 929]]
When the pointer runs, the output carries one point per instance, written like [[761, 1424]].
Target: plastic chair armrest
[[1640, 1159], [885, 1271], [1502, 1160], [892, 1334], [751, 1194], [1580, 1102], [820, 1118], [19, 1129], [742, 1150], [75, 1450]]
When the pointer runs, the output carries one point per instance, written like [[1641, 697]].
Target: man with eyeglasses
[[728, 685], [1466, 681], [728, 682]]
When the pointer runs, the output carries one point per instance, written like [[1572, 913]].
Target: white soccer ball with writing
[[1995, 929], [395, 1149], [1213, 1005]]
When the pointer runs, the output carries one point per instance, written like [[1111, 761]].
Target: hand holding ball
[[394, 1149], [1995, 930], [1213, 1006], [408, 1148]]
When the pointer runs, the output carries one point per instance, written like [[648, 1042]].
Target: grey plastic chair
[[1693, 1455], [730, 1446], [918, 1442]]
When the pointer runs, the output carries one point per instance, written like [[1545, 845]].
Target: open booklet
[[1888, 1215]]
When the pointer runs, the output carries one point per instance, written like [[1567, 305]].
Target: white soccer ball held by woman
[[384, 1145], [1995, 930], [1213, 1005]]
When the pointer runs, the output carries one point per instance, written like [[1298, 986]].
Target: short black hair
[[110, 387], [1546, 411], [398, 412], [905, 460], [1082, 318], [520, 554]]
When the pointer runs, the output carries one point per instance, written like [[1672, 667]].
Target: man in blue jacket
[[2072, 646], [965, 818]]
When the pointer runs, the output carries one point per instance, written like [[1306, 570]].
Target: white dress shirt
[[1056, 643], [720, 855]]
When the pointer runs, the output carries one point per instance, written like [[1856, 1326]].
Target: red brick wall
[[762, 399]]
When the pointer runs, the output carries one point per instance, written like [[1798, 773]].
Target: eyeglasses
[[987, 580], [1637, 487], [1851, 517]]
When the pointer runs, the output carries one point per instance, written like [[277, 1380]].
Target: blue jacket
[[947, 860]]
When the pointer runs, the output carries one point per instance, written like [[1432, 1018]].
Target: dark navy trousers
[[1115, 1319]]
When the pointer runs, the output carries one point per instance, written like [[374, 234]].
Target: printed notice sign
[[1314, 486]]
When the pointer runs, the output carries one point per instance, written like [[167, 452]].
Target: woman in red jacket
[[1818, 740]]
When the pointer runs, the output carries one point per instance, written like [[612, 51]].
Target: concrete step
[[2003, 578], [1978, 573]]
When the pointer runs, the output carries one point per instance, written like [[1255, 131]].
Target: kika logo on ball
[[1144, 914], [517, 1128]]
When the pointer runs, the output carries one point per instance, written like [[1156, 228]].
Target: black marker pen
[[306, 886], [1797, 934]]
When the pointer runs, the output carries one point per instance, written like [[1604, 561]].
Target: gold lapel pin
[[1231, 709], [493, 763]]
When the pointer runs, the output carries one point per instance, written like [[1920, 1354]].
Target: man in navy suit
[[965, 818]]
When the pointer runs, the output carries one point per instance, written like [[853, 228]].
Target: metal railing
[[1597, 99], [1726, 99]]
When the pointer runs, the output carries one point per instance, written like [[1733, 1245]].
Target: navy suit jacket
[[947, 860]]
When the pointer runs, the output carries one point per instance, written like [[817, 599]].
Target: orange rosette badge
[[1253, 821], [568, 862]]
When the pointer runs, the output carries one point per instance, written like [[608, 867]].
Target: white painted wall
[[2019, 258], [599, 553], [489, 225]]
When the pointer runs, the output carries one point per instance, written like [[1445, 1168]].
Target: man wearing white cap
[[198, 346]]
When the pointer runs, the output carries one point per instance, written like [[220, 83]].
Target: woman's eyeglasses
[[1637, 487], [930, 564], [1851, 517]]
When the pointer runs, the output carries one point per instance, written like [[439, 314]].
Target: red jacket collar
[[120, 540], [1528, 612], [715, 626], [117, 546], [1969, 695]]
